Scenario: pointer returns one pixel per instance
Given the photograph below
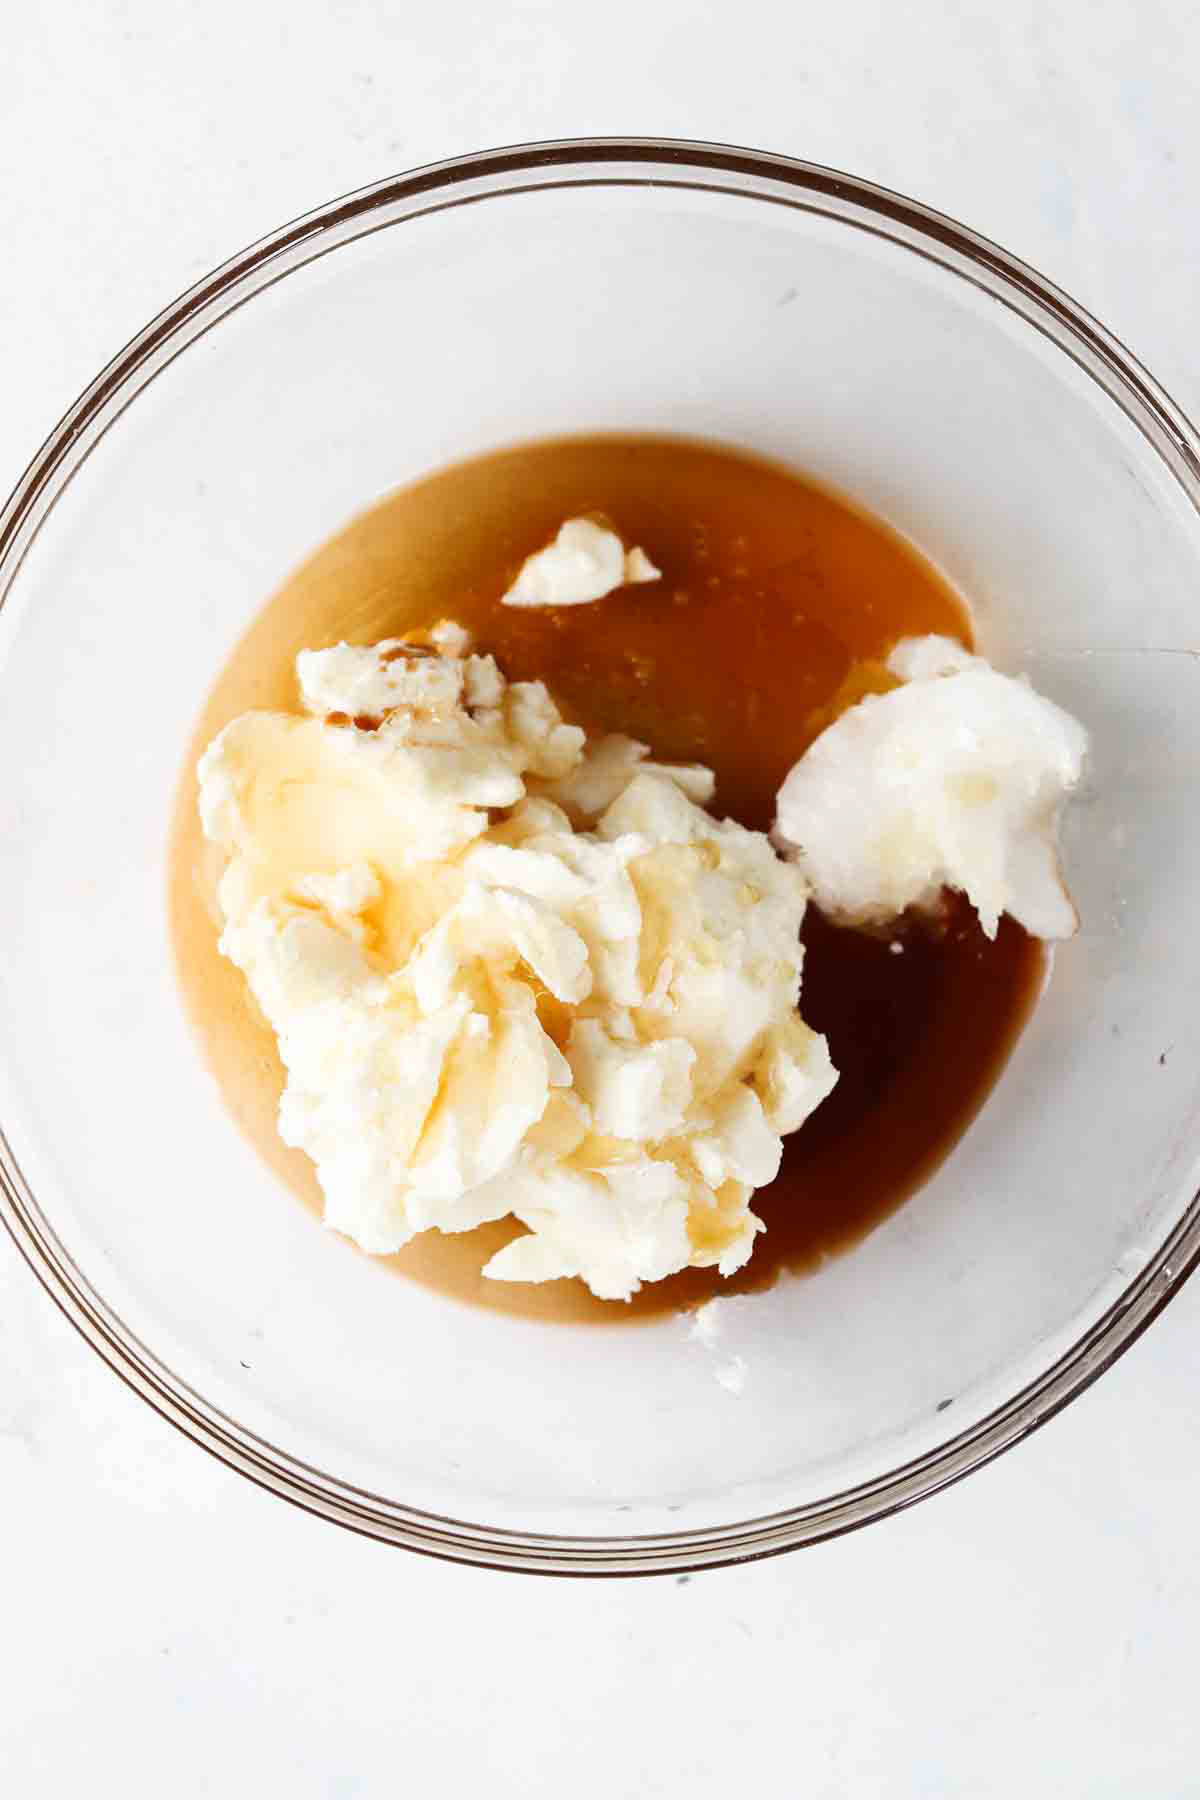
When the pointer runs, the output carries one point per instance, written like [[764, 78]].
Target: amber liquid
[[778, 603]]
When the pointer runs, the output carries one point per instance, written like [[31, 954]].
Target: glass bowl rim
[[499, 173]]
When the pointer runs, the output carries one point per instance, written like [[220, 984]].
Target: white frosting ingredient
[[585, 561], [955, 779], [511, 971]]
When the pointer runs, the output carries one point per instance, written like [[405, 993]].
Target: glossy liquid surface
[[778, 602]]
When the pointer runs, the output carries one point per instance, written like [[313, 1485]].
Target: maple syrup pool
[[778, 605]]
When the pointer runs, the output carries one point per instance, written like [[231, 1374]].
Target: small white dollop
[[585, 561], [955, 779]]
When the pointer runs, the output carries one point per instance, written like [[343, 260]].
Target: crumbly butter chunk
[[510, 971], [394, 674], [957, 778], [585, 561], [608, 765]]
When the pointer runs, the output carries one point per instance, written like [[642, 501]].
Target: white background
[[165, 1628]]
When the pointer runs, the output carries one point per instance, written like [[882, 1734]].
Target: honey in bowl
[[778, 605]]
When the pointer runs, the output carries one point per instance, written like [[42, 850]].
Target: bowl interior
[[545, 306]]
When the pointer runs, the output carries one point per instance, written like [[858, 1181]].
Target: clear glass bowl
[[589, 285]]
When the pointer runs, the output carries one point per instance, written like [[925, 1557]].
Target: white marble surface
[[168, 1629]]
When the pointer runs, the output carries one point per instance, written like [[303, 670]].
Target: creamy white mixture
[[513, 971]]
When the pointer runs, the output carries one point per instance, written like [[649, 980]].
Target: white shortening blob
[[585, 561], [509, 971], [956, 778]]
